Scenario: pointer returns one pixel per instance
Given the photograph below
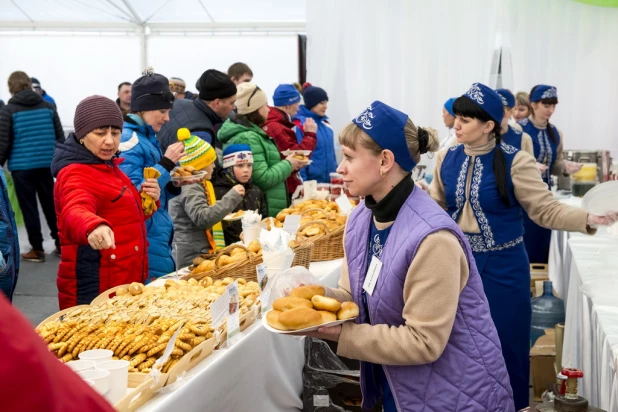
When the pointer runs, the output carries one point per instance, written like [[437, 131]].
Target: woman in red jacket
[[279, 126], [99, 211]]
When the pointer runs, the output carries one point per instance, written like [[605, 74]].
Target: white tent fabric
[[77, 48], [415, 54]]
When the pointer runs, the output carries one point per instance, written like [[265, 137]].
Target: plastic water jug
[[547, 311]]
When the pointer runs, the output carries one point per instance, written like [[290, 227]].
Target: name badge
[[372, 275]]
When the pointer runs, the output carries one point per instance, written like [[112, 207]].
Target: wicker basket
[[302, 254], [328, 246], [242, 269]]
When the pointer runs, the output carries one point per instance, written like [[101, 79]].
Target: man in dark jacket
[[29, 130], [237, 168], [204, 115]]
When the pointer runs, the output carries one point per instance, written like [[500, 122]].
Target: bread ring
[[272, 317], [300, 318], [324, 303], [348, 310], [327, 316], [291, 302], [308, 291]]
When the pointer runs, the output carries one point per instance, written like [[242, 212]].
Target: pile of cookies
[[307, 306], [139, 321]]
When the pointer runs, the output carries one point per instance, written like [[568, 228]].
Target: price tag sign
[[262, 277], [291, 224], [219, 309], [310, 187], [233, 315], [344, 204]]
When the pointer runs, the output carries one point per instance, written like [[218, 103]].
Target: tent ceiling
[[45, 14]]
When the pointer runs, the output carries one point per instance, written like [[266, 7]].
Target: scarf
[[215, 233]]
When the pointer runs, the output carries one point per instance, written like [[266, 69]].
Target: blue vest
[[545, 150], [513, 137], [501, 226]]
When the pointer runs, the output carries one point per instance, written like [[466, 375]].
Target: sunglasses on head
[[165, 96], [252, 94]]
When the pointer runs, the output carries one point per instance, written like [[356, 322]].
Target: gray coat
[[192, 216]]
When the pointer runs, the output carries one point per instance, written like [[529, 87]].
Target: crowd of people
[[488, 208]]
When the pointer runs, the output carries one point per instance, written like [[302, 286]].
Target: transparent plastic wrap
[[283, 283], [328, 384]]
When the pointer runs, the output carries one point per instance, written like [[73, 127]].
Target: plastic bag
[[283, 283]]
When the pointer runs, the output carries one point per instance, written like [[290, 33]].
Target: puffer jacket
[[223, 182], [279, 126], [140, 149], [324, 159], [90, 192], [269, 171], [9, 244], [29, 129]]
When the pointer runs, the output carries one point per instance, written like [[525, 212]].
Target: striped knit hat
[[200, 154], [94, 112]]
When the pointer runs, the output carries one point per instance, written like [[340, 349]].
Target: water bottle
[[547, 311]]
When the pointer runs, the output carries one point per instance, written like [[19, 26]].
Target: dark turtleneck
[[386, 210]]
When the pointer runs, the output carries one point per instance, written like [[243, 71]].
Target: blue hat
[[487, 99], [508, 99], [314, 95], [543, 91], [286, 94], [385, 126], [448, 105], [237, 154]]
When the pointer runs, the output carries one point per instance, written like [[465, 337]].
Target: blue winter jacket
[[9, 244], [324, 160], [140, 149]]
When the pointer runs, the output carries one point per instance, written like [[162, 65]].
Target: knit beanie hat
[[286, 94], [249, 98], [214, 84], [94, 112], [237, 154], [151, 92], [313, 95], [200, 154]]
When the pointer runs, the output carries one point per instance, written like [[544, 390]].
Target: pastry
[[308, 291], [327, 316], [254, 246], [348, 310], [325, 303], [272, 317], [291, 302], [136, 288], [300, 318]]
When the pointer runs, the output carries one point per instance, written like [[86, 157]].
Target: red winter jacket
[[90, 192], [33, 380], [280, 128]]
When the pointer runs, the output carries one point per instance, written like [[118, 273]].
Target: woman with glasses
[[269, 170], [151, 101]]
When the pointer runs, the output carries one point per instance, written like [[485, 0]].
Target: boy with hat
[[280, 127], [237, 170], [197, 213]]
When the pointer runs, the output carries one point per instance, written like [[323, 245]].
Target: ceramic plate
[[602, 199]]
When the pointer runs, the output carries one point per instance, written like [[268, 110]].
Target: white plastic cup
[[99, 377], [97, 355], [81, 365], [118, 379], [251, 233]]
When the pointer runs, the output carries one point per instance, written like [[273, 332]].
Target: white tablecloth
[[262, 372], [590, 266]]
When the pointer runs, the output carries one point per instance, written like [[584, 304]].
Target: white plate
[[602, 199], [270, 328], [230, 218], [300, 152]]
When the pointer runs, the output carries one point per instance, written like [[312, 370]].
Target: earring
[[382, 173], [81, 141]]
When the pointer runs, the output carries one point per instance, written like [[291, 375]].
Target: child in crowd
[[237, 170], [197, 213]]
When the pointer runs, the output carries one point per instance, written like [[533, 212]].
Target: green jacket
[[269, 171]]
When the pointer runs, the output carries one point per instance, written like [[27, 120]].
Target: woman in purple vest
[[424, 335], [485, 185]]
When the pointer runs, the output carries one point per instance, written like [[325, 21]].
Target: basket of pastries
[[137, 323], [306, 309]]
